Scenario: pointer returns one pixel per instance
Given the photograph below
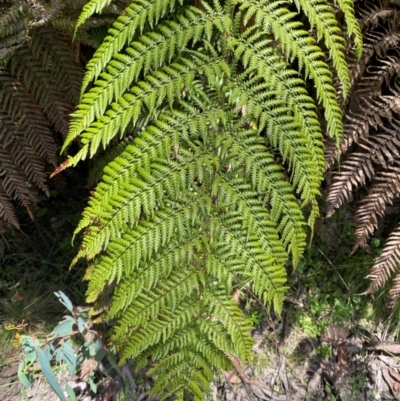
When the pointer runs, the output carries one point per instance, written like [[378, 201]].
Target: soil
[[12, 390], [344, 364], [356, 366]]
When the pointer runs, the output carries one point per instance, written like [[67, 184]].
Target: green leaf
[[221, 175], [58, 354], [22, 376], [49, 374], [81, 325], [30, 357], [71, 392], [94, 347], [65, 327], [29, 342], [92, 384], [111, 358], [100, 354], [91, 7], [48, 351], [64, 300], [69, 358]]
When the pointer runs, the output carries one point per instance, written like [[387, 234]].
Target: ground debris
[[357, 369], [387, 346], [286, 367]]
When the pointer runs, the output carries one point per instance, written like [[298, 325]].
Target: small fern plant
[[220, 178]]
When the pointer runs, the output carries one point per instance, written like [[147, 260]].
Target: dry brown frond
[[369, 153], [39, 87], [385, 264]]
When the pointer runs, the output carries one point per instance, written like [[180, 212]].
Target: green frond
[[353, 27], [257, 55], [221, 173], [238, 192], [121, 179], [146, 54], [90, 8], [195, 338], [101, 161], [129, 262], [167, 83], [283, 132], [267, 178], [138, 13], [321, 16], [170, 293], [222, 306], [186, 371], [255, 262], [157, 331], [297, 44]]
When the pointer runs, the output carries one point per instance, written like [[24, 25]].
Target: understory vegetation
[[222, 179]]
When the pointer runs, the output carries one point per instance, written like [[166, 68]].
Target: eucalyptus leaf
[[58, 354], [94, 346], [92, 384], [64, 300], [48, 351], [22, 376], [81, 325], [28, 343], [65, 327], [69, 358], [113, 361], [49, 374], [100, 354], [71, 392], [30, 357]]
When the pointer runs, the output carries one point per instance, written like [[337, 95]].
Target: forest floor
[[343, 364], [329, 343]]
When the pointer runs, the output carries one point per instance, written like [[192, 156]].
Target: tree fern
[[221, 176]]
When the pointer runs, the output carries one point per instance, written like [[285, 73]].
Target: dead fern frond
[[370, 149], [21, 107], [373, 13], [40, 76], [7, 213], [355, 171], [379, 36], [385, 188], [394, 292], [385, 264]]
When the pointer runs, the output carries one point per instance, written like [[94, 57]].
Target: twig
[[334, 268], [10, 384], [236, 364]]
